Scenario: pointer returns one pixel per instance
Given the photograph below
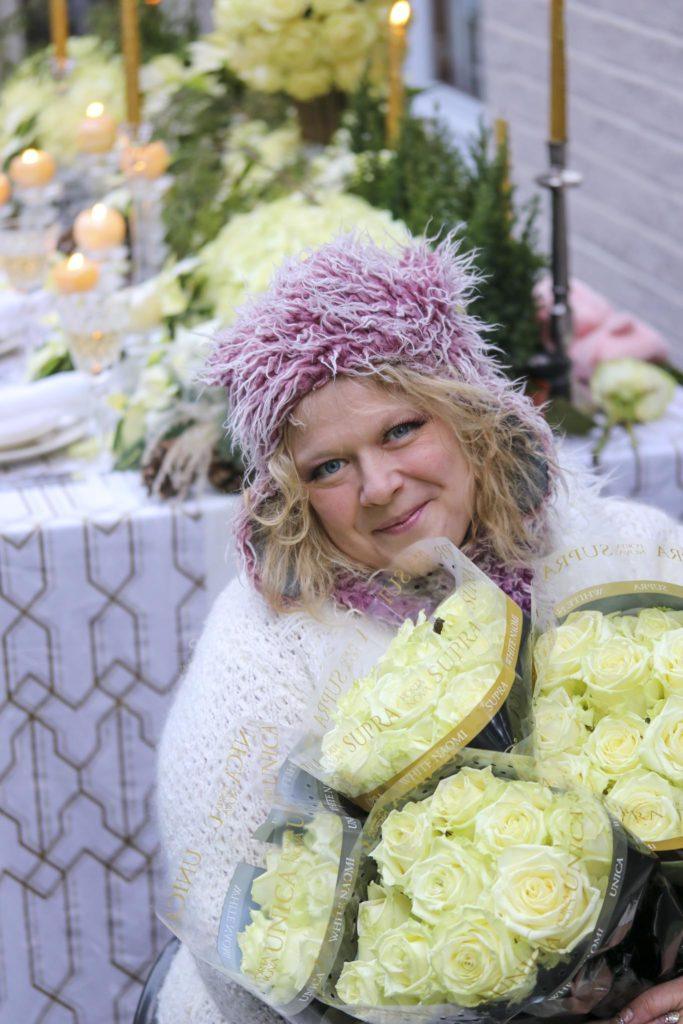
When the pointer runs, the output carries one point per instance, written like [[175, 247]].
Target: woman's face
[[379, 473]]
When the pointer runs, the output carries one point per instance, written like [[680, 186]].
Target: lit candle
[[146, 161], [32, 168], [399, 16], [97, 132], [130, 38], [558, 74], [59, 29], [75, 274], [98, 228], [5, 189]]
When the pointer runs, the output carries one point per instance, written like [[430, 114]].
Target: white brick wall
[[625, 60]]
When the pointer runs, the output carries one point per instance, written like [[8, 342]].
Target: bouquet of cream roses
[[485, 889], [390, 717], [608, 668], [303, 47], [278, 926]]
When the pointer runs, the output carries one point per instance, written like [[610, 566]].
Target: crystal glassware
[[25, 253], [93, 326]]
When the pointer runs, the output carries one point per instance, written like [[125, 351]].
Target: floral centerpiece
[[303, 47]]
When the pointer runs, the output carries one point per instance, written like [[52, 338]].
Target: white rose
[[406, 838], [558, 653], [652, 623], [510, 822], [662, 748], [618, 676], [667, 661], [579, 824], [545, 895], [568, 771], [455, 873], [631, 390], [614, 745], [476, 959], [560, 723], [384, 910], [456, 801], [359, 983], [647, 805], [404, 955]]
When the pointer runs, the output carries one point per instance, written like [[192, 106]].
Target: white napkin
[[28, 411]]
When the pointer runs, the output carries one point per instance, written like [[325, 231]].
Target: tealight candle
[[100, 227], [32, 168], [146, 161], [75, 274], [97, 132], [5, 189]]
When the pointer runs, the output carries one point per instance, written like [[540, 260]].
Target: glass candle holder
[[93, 327], [25, 253]]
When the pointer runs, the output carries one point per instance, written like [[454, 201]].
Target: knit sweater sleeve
[[249, 664]]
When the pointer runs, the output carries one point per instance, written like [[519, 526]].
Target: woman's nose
[[379, 481]]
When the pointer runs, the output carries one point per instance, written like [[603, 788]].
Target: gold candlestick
[[59, 30], [500, 131], [130, 37], [399, 16], [558, 74]]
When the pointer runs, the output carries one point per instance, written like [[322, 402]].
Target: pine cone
[[224, 476], [152, 465]]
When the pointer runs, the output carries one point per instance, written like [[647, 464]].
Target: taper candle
[[130, 39], [59, 29], [558, 74], [399, 16]]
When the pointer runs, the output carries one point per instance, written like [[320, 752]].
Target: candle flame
[[399, 15], [95, 109], [99, 211], [30, 156], [76, 261]]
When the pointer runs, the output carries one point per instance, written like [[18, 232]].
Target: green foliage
[[157, 34], [59, 363], [196, 124], [434, 189]]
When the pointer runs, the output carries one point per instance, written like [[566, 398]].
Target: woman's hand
[[662, 1004]]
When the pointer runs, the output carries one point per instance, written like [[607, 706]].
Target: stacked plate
[[43, 417]]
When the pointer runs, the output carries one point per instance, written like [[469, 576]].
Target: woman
[[371, 414]]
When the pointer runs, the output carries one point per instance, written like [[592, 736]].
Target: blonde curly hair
[[512, 472]]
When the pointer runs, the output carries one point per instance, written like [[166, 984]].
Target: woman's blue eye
[[326, 468], [402, 429]]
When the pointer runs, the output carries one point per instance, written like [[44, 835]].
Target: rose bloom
[[614, 744], [647, 804], [545, 896], [662, 748]]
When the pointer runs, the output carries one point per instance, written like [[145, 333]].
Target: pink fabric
[[600, 333], [589, 309], [619, 336]]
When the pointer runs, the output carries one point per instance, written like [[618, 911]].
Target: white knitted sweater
[[251, 663]]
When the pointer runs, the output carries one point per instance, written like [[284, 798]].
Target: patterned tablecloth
[[102, 594]]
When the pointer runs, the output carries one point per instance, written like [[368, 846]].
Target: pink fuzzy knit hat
[[348, 308]]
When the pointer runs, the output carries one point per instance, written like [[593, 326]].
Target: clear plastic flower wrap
[[275, 926], [387, 716], [484, 894], [606, 658]]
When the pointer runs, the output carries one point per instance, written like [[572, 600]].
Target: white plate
[[33, 428], [52, 443], [8, 345]]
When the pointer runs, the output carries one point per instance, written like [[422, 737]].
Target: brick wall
[[625, 60]]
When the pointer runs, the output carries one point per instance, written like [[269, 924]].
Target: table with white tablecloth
[[102, 594]]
